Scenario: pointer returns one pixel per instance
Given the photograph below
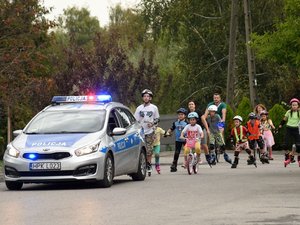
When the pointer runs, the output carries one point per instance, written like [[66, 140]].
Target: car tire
[[108, 176], [14, 185], [142, 170]]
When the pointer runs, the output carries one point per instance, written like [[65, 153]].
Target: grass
[[1, 165]]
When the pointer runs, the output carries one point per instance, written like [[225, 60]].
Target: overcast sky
[[99, 8]]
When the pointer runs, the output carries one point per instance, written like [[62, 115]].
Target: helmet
[[193, 115], [182, 110], [238, 118], [147, 91], [294, 100], [264, 112], [252, 115], [212, 108]]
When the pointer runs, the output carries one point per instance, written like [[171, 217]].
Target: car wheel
[[108, 172], [14, 185], [141, 173]]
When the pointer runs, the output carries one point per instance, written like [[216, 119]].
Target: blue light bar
[[82, 98]]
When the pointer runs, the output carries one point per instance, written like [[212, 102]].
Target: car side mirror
[[119, 131], [17, 132]]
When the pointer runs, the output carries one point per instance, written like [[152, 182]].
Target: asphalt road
[[269, 194]]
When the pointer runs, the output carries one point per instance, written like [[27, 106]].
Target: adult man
[[220, 105], [147, 115], [202, 122]]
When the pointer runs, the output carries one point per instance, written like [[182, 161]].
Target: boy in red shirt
[[255, 136], [239, 134]]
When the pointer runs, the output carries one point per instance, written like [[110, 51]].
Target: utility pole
[[232, 50], [250, 54]]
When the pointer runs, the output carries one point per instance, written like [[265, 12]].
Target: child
[[239, 134], [193, 133], [258, 109], [156, 145], [178, 127], [255, 136], [292, 137], [215, 136], [267, 125]]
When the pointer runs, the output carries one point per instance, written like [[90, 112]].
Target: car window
[[83, 121], [130, 116], [112, 121], [125, 120]]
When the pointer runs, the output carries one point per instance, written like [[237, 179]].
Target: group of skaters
[[196, 131]]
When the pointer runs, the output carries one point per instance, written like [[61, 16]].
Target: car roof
[[83, 106]]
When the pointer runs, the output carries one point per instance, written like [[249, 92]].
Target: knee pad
[[251, 144], [211, 146], [248, 151], [260, 144]]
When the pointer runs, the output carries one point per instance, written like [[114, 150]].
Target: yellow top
[[158, 133]]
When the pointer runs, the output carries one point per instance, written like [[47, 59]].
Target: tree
[[23, 40]]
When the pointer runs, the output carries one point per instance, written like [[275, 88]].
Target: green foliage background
[[177, 48]]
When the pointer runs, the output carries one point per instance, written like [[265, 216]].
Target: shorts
[[241, 146], [196, 147], [216, 139], [149, 140], [204, 139]]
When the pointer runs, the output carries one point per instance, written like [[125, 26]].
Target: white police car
[[76, 138]]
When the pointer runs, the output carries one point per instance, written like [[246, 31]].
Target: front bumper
[[88, 167]]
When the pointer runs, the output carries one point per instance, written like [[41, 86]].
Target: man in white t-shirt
[[148, 116]]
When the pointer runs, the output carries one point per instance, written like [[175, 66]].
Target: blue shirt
[[178, 127]]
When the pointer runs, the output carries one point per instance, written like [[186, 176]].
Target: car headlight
[[87, 149], [11, 151]]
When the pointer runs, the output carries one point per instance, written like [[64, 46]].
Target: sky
[[98, 8]]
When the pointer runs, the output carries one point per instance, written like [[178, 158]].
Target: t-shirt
[[193, 134], [292, 120], [178, 127], [146, 114], [221, 106], [158, 132], [212, 123]]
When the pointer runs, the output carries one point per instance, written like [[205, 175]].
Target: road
[[220, 195]]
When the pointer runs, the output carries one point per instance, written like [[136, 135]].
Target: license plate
[[45, 166]]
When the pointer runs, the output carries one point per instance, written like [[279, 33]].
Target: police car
[[76, 138]]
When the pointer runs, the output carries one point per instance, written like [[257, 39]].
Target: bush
[[276, 114], [244, 108]]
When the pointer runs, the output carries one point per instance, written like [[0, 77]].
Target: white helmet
[[238, 118], [212, 108]]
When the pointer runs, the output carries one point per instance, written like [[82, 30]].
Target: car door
[[130, 155]]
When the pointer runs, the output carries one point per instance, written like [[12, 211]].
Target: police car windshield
[[67, 122]]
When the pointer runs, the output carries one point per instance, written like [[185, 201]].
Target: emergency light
[[82, 98]]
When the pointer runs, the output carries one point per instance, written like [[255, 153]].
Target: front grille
[[46, 173], [37, 156]]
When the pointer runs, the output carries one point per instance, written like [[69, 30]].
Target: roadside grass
[[1, 165]]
